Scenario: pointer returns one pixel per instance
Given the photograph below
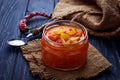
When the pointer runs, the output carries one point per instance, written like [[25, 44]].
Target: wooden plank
[[110, 49], [11, 13], [41, 6], [21, 66]]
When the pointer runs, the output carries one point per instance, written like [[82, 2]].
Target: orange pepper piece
[[72, 32], [64, 36], [59, 31]]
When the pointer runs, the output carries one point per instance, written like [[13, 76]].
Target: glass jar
[[64, 56]]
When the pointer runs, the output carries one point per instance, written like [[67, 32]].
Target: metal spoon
[[23, 41], [36, 31]]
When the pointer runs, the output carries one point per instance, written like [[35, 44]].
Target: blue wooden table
[[13, 66]]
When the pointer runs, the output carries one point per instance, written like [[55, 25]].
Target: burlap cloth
[[100, 17], [95, 64]]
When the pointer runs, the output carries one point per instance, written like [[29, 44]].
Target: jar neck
[[64, 22]]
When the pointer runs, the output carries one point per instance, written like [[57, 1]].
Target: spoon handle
[[36, 31]]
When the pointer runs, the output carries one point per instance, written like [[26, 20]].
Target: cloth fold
[[100, 17]]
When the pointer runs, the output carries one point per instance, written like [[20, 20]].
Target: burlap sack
[[100, 17]]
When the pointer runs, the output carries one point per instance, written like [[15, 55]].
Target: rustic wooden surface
[[13, 65]]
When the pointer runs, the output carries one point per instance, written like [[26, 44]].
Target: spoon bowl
[[16, 42], [23, 41]]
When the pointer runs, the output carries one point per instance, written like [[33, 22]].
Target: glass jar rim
[[69, 22]]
